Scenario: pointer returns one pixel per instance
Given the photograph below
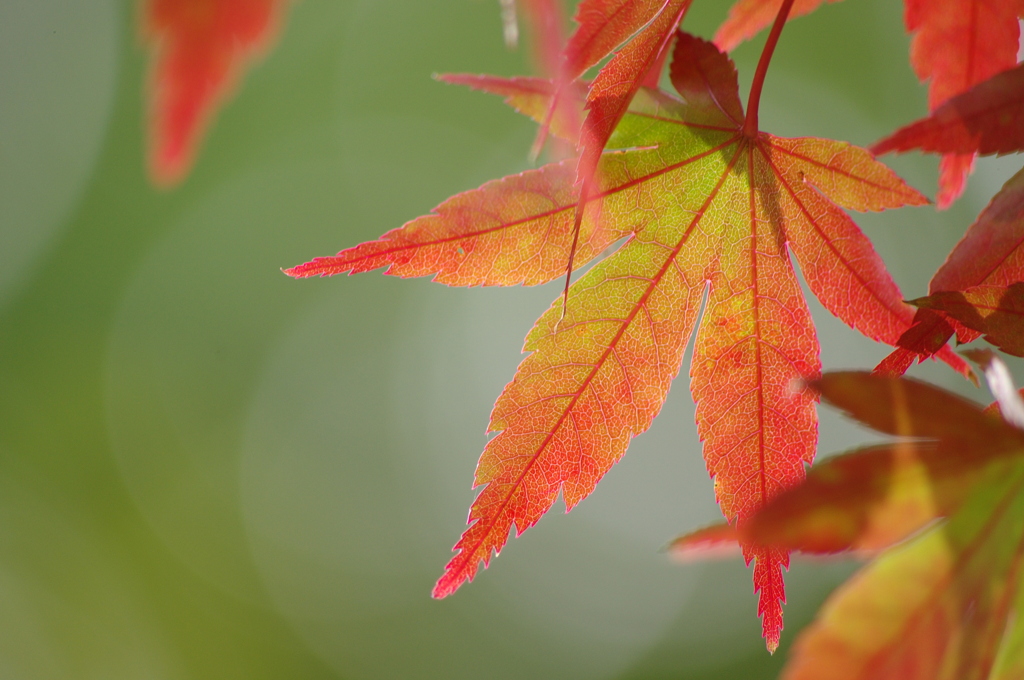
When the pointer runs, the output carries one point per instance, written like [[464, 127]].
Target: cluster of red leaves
[[709, 207]]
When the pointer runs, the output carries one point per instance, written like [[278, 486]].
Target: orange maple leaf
[[200, 49], [710, 213]]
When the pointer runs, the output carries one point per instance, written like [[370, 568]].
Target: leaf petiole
[[750, 128]]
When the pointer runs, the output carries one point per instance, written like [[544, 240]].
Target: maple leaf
[[938, 607], [943, 605], [990, 255], [199, 50], [984, 120], [957, 44], [710, 212]]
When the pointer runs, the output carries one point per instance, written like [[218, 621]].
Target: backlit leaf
[[937, 607], [200, 50], [710, 215], [987, 119]]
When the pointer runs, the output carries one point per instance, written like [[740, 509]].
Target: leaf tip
[[442, 588], [450, 581], [296, 272]]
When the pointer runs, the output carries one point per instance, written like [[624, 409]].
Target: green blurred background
[[209, 470]]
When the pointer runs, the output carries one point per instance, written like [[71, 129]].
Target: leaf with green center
[[711, 214], [200, 50]]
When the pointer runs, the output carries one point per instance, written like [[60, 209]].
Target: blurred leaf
[[937, 607], [940, 605], [872, 498], [200, 50]]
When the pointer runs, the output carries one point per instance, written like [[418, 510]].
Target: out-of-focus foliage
[[210, 471], [943, 604]]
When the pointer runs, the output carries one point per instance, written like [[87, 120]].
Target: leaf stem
[[580, 207], [750, 125]]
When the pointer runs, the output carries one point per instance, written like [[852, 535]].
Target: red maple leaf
[[710, 212], [987, 119], [957, 44], [200, 49]]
